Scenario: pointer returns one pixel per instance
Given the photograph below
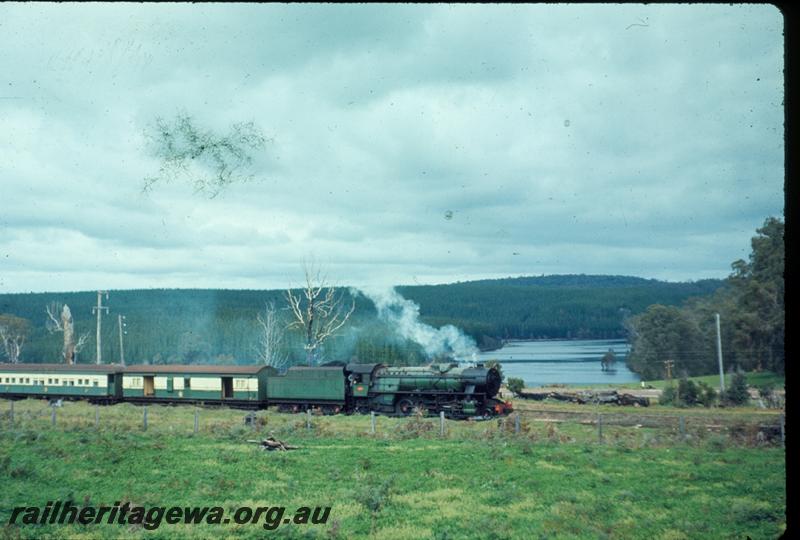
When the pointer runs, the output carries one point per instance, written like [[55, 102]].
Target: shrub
[[767, 393], [737, 394], [416, 425], [515, 385], [708, 396], [687, 392], [668, 395], [373, 496]]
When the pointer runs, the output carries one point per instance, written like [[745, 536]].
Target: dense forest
[[752, 314], [219, 326]]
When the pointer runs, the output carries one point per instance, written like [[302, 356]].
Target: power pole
[[121, 323], [99, 310], [668, 366], [719, 357]]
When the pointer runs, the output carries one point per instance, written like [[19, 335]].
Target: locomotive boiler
[[459, 392]]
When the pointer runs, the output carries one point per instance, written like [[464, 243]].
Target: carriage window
[[72, 383], [95, 383], [187, 382]]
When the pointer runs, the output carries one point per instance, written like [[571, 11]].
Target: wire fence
[[531, 424]]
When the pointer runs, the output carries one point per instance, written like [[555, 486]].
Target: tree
[[667, 333], [319, 310], [707, 395], [515, 385], [687, 392], [607, 362], [13, 333], [271, 337], [65, 325], [668, 395], [759, 287], [737, 394], [210, 161], [751, 305]]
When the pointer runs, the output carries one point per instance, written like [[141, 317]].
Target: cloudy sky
[[406, 144]]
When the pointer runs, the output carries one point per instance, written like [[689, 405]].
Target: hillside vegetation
[[752, 319], [190, 325]]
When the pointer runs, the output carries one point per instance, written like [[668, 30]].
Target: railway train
[[459, 392]]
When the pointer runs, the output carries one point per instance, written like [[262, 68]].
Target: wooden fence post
[[600, 427], [97, 416], [196, 420], [372, 422], [516, 424], [308, 418], [144, 417], [12, 413], [441, 423], [783, 430], [682, 424], [53, 416]]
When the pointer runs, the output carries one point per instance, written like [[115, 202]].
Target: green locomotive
[[459, 392]]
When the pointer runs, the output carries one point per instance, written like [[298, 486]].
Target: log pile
[[271, 444], [608, 397]]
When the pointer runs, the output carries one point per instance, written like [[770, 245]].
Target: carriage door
[[227, 387], [149, 386]]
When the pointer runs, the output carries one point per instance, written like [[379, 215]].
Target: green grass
[[550, 481]]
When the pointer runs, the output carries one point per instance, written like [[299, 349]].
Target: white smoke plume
[[402, 315]]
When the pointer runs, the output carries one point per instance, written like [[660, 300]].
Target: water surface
[[572, 362]]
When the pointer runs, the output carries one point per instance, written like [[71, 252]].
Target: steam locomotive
[[459, 392]]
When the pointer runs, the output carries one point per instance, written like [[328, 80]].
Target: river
[[571, 362]]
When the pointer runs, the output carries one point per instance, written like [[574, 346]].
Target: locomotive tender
[[459, 392]]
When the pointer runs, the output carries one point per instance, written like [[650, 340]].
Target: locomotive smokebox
[[486, 378]]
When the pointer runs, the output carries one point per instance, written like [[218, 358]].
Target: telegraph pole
[[121, 323], [719, 358], [668, 366], [99, 310]]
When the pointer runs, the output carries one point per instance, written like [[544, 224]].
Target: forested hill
[[704, 286], [219, 325], [559, 306]]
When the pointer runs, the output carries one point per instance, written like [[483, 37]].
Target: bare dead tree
[[13, 333], [319, 310], [271, 337], [65, 325], [208, 160]]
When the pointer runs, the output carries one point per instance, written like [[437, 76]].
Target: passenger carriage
[[98, 383], [229, 385]]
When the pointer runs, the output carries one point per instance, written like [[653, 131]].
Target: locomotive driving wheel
[[404, 407]]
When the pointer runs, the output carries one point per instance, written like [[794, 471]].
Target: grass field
[[481, 480]]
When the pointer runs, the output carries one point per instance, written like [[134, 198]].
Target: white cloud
[[641, 140]]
